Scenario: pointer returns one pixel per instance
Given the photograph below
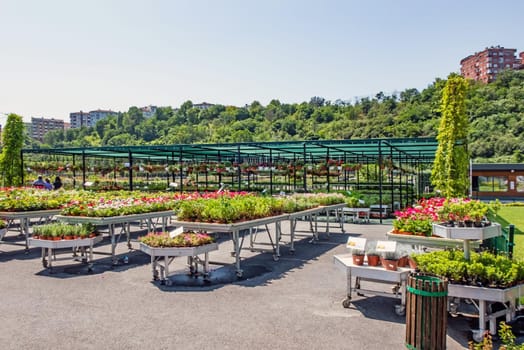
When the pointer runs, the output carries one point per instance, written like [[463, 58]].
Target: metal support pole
[[511, 240], [305, 167], [180, 172], [380, 163], [130, 159], [271, 172], [83, 169], [327, 170]]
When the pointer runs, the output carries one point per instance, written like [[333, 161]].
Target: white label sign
[[386, 246], [356, 243], [176, 232]]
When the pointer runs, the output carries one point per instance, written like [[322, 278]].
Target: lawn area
[[513, 215]]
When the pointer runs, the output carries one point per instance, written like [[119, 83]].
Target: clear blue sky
[[61, 56]]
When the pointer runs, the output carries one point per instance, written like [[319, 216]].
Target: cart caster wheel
[[360, 294], [346, 303], [400, 310], [155, 278], [276, 257], [477, 335], [44, 263]]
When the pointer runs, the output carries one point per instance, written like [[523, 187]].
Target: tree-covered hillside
[[496, 113]]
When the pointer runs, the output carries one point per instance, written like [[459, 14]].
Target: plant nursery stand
[[161, 258], [375, 274], [235, 228], [24, 220], [124, 221], [357, 215], [467, 234], [418, 242], [482, 299], [48, 246]]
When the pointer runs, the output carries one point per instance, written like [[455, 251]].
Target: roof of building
[[498, 166], [362, 150]]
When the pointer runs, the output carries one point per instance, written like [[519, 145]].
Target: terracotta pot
[[358, 259], [412, 263], [403, 261], [373, 260], [391, 265]]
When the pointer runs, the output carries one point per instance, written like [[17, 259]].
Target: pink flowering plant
[[186, 239], [418, 219]]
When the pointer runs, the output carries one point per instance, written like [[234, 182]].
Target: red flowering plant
[[418, 220], [186, 239]]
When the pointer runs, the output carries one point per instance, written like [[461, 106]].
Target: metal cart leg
[[347, 302]]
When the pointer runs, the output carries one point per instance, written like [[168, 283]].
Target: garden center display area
[[395, 170], [248, 190]]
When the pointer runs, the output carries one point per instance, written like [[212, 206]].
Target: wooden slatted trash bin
[[426, 312]]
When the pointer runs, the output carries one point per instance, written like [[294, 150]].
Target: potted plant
[[358, 256], [373, 256], [404, 251], [389, 260]]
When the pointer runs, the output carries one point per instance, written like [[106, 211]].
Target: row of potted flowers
[[418, 220], [250, 207], [59, 231], [185, 239]]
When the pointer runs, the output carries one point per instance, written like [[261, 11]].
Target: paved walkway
[[294, 303]]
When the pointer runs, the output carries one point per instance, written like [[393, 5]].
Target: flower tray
[[178, 251], [486, 296], [484, 293], [473, 233], [64, 243], [161, 258], [424, 241]]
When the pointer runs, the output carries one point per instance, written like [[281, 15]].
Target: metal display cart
[[312, 215], [235, 229], [468, 234], [49, 247], [482, 299], [161, 258], [377, 274], [118, 225], [24, 220], [419, 242], [357, 215]]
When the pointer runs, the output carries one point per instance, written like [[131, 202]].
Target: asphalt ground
[[292, 303]]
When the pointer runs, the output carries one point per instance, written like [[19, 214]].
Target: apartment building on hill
[[79, 119], [485, 65], [41, 126]]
